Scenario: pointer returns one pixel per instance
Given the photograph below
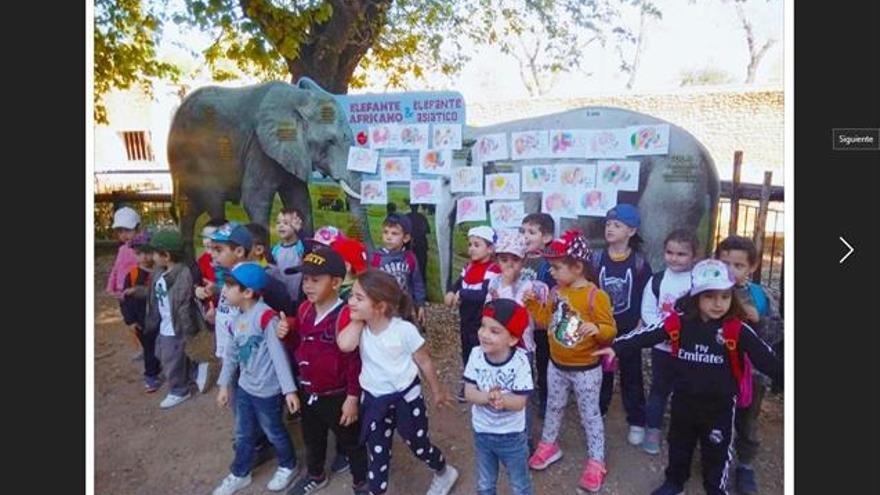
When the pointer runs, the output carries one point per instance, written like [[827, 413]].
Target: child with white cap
[[126, 223], [709, 343]]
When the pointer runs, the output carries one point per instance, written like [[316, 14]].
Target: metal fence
[[772, 257]]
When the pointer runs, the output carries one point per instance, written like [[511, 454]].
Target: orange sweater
[[571, 351]]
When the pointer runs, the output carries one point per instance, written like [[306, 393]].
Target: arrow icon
[[845, 256]]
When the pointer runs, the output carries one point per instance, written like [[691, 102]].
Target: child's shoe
[[307, 484], [745, 481], [281, 479], [232, 484], [152, 383], [651, 444], [362, 489], [668, 488], [545, 454], [340, 464], [172, 400], [593, 475], [636, 435], [442, 483]]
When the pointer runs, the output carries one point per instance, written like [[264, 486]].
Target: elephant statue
[[246, 144]]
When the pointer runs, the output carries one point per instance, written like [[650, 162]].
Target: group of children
[[332, 333]]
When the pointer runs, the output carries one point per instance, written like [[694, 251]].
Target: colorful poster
[[607, 143], [619, 174], [506, 214], [558, 204], [470, 209], [413, 136], [446, 136], [502, 186], [490, 148], [568, 143], [529, 144], [648, 139], [577, 176], [596, 202], [425, 191], [362, 160], [435, 161], [374, 192], [466, 179], [384, 136], [396, 168], [539, 178]]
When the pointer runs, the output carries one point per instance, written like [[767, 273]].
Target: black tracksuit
[[704, 394]]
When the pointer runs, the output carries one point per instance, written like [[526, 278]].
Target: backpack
[[730, 331], [656, 280]]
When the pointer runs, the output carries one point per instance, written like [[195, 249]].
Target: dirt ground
[[142, 450]]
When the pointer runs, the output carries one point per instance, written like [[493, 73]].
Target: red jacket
[[323, 368]]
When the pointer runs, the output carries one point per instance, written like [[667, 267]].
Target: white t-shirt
[[166, 325], [513, 376], [387, 364], [673, 286]]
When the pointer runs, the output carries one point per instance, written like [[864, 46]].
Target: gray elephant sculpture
[[246, 144]]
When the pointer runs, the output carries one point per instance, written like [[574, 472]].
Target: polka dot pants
[[411, 424]]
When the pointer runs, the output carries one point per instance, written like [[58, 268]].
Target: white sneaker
[[202, 377], [172, 400], [232, 484], [443, 483], [281, 479], [636, 435]]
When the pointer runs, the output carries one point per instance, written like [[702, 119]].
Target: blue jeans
[[661, 387], [513, 451], [253, 414]]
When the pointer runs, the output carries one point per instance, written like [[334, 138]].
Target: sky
[[691, 35]]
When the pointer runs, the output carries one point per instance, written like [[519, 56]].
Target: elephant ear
[[282, 121]]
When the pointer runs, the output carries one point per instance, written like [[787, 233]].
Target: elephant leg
[[189, 212], [295, 194], [262, 178]]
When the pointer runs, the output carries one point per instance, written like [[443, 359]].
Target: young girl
[[708, 331], [622, 271], [578, 320], [392, 354], [658, 301]]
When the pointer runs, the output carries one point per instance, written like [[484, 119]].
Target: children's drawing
[[607, 143], [374, 192], [578, 176], [530, 144], [558, 204], [648, 139], [424, 191], [396, 168], [413, 136], [490, 148], [362, 160], [384, 136], [621, 175], [596, 202], [466, 179], [568, 143], [506, 214], [446, 136], [470, 209], [435, 161], [502, 186], [539, 178]]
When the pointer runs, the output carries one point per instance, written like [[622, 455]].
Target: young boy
[[265, 383], [470, 289], [171, 313], [741, 257], [290, 251], [538, 229], [330, 391], [206, 261], [498, 380], [401, 263], [126, 223], [134, 309]]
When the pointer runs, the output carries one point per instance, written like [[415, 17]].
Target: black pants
[[747, 440], [632, 388], [542, 359], [318, 418], [709, 421], [421, 252], [152, 365], [470, 316]]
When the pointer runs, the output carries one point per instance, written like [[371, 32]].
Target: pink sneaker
[[593, 475], [545, 454]]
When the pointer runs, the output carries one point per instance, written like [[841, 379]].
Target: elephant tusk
[[348, 190]]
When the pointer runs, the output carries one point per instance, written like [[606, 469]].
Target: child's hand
[[223, 397], [442, 398], [449, 298], [129, 291], [211, 313], [292, 402], [283, 327], [495, 398], [588, 329], [529, 295], [605, 351], [751, 313], [349, 410], [422, 316]]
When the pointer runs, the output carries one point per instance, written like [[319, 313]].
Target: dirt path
[[142, 450]]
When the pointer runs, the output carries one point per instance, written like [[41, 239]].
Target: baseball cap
[[626, 213], [484, 232], [323, 261], [126, 218], [402, 220], [167, 240], [572, 244], [710, 275], [326, 235], [234, 233], [251, 276], [352, 252], [511, 242], [141, 241], [513, 316]]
